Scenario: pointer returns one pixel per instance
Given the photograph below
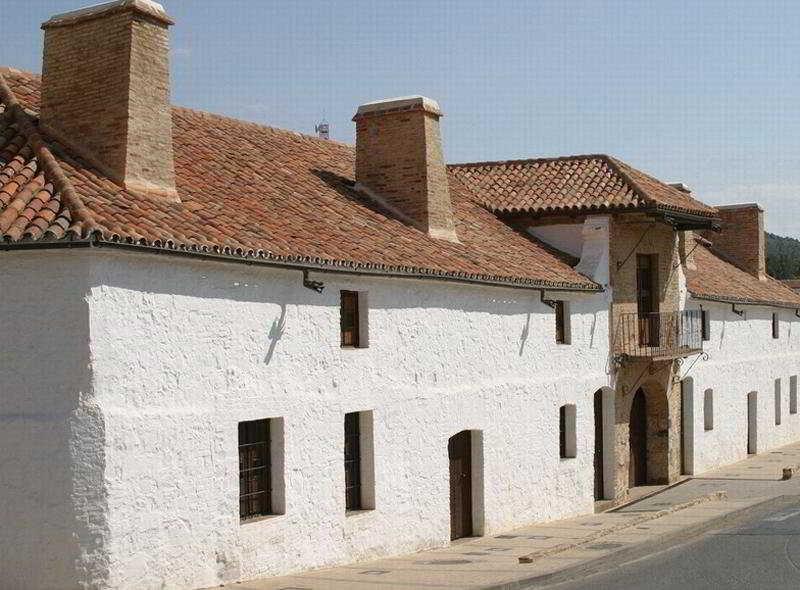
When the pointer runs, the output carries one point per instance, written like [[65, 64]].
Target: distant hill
[[783, 257]]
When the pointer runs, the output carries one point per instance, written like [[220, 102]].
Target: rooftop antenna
[[323, 129]]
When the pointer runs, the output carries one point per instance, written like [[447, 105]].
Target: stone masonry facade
[[630, 236]]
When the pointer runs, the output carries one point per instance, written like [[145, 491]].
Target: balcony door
[[647, 298]]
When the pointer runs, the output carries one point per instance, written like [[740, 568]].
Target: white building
[[232, 351]]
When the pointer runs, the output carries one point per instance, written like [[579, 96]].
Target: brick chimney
[[399, 162], [742, 237], [106, 91]]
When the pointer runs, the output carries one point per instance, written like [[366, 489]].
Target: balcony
[[659, 336]]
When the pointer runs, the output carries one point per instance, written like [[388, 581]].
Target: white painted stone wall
[[181, 351], [743, 357], [51, 436], [567, 237]]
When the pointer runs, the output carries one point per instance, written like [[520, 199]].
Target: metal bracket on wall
[[317, 286], [739, 312], [644, 233], [678, 378], [549, 302], [797, 312], [683, 259]]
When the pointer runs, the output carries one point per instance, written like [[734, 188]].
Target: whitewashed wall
[[51, 437], [184, 350], [743, 357]]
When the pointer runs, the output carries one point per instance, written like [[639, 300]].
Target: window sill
[[246, 521], [357, 513]]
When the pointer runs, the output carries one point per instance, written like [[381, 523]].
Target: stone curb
[[622, 556], [530, 557]]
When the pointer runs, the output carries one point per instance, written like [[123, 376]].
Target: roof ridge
[[260, 125], [529, 160], [17, 72], [616, 167], [49, 162]]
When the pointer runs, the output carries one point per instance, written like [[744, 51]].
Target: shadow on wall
[[276, 333], [526, 331]]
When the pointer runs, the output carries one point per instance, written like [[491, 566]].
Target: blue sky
[[707, 93]]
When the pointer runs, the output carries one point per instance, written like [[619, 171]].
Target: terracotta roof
[[251, 192], [792, 283], [717, 279], [572, 184]]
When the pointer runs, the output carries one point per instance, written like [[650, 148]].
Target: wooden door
[[647, 298], [459, 451], [638, 441], [598, 444]]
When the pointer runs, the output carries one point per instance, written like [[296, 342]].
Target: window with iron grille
[[254, 469], [778, 402], [793, 394], [776, 325], [350, 319], [562, 323], [352, 461]]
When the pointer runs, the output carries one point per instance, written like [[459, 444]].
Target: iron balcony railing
[[664, 335]]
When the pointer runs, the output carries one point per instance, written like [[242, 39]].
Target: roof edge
[[300, 263], [744, 301], [49, 162]]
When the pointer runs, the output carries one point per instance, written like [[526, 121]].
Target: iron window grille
[[561, 323], [349, 319], [254, 469], [352, 461]]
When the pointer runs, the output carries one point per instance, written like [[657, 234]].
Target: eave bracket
[[317, 286], [549, 302]]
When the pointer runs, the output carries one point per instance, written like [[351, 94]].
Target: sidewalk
[[535, 553]]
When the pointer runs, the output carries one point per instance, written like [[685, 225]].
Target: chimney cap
[[681, 186], [146, 7], [740, 206], [401, 103]]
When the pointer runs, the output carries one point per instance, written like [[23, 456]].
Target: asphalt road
[[756, 552]]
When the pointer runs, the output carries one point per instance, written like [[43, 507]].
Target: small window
[[705, 317], [261, 468], [353, 319], [776, 325], [708, 409], [562, 322], [793, 394], [566, 430], [777, 401], [359, 482]]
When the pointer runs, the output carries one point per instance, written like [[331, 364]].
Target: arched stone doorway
[[637, 440], [649, 437]]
